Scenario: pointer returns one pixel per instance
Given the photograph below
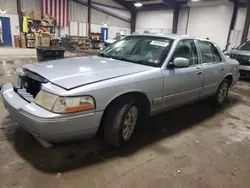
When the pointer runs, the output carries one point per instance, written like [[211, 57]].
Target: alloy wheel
[[129, 123], [222, 92]]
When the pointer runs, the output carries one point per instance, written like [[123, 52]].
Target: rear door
[[213, 67]]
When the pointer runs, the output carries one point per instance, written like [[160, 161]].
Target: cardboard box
[[17, 41], [38, 40], [36, 15], [45, 41], [23, 41], [30, 43]]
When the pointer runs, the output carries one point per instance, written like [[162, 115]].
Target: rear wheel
[[221, 93], [120, 121]]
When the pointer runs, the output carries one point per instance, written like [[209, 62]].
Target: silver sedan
[[135, 77]]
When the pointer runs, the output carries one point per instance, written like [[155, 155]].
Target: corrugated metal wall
[[30, 5], [78, 12], [101, 18], [9, 6]]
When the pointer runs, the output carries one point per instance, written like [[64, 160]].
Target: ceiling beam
[[103, 11], [129, 6], [171, 3], [109, 6], [158, 6]]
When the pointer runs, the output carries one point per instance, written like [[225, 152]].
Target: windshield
[[148, 50], [245, 46]]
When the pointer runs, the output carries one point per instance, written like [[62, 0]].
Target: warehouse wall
[[236, 34], [211, 21], [155, 21], [30, 5], [112, 30], [119, 12], [10, 8], [78, 17], [98, 17], [182, 21], [114, 25], [78, 29], [78, 12]]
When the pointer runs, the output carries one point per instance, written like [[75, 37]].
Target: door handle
[[199, 73], [221, 69]]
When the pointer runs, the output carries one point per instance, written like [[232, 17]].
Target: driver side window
[[187, 49]]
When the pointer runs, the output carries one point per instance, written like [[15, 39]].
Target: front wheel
[[120, 123], [221, 93]]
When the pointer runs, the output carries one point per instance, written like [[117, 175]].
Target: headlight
[[57, 104]]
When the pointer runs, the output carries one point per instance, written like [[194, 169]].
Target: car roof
[[170, 36]]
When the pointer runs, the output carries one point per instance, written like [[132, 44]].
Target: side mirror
[[180, 62]]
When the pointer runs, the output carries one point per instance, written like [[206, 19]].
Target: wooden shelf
[[37, 19]]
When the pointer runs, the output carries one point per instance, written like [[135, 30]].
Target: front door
[[182, 85], [5, 32], [214, 68]]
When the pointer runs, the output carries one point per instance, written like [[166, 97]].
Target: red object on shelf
[[44, 29]]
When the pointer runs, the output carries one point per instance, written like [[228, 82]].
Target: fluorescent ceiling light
[[195, 0], [138, 4]]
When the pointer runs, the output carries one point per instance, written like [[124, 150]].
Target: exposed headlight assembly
[[16, 81], [16, 78], [58, 104]]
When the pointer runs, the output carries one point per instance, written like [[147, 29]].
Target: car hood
[[240, 52], [74, 72]]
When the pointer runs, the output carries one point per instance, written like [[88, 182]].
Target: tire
[[221, 93], [122, 113]]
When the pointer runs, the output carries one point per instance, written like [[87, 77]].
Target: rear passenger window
[[206, 52], [217, 57], [209, 52]]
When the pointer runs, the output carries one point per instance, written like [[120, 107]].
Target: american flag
[[58, 9]]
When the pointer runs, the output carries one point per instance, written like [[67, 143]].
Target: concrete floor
[[195, 146]]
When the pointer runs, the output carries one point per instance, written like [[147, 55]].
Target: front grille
[[31, 84], [25, 95], [244, 73], [243, 60]]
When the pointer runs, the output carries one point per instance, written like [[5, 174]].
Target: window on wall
[[209, 52]]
